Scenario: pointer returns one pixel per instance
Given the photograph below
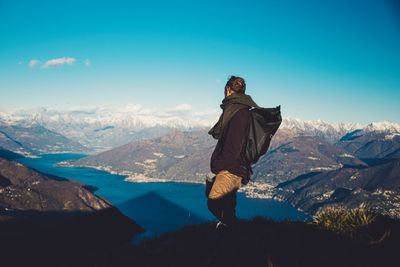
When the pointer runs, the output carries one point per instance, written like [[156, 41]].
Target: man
[[228, 161]]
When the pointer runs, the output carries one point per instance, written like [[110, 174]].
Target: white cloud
[[218, 81], [87, 62], [136, 109], [33, 63], [208, 112], [180, 108], [209, 115], [86, 110], [130, 108], [19, 62], [58, 62]]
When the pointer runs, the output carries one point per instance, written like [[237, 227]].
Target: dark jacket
[[229, 151]]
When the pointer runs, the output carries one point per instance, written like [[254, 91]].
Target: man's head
[[235, 85]]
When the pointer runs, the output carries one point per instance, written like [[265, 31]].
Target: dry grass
[[342, 220]]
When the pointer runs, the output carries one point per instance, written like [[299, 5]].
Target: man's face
[[228, 91]]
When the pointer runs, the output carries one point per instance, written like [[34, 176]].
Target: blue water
[[158, 207]]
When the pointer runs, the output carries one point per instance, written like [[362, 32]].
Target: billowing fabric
[[264, 123]]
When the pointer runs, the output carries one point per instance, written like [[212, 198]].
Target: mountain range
[[34, 139], [293, 156], [368, 144], [377, 187], [301, 153], [102, 129], [177, 156]]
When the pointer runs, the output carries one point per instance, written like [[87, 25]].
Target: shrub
[[342, 220]]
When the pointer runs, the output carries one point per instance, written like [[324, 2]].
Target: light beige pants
[[225, 182]]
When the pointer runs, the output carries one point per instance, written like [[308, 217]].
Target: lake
[[158, 207]]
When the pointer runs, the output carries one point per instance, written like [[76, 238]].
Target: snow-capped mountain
[[383, 126], [104, 127], [100, 118], [331, 132], [30, 140]]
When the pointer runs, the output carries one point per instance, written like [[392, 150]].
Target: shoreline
[[251, 190]]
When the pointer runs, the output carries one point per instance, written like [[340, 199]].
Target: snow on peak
[[302, 125], [130, 116], [383, 126], [83, 122], [331, 131]]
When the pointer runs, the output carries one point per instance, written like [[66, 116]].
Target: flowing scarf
[[230, 105]]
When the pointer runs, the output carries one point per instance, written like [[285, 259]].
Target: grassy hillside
[[263, 242], [337, 238]]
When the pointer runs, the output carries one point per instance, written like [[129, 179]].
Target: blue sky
[[330, 60]]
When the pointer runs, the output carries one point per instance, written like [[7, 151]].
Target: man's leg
[[216, 207], [229, 208], [225, 183], [224, 209], [222, 197]]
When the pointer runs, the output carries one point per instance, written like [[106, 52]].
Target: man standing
[[228, 160]]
